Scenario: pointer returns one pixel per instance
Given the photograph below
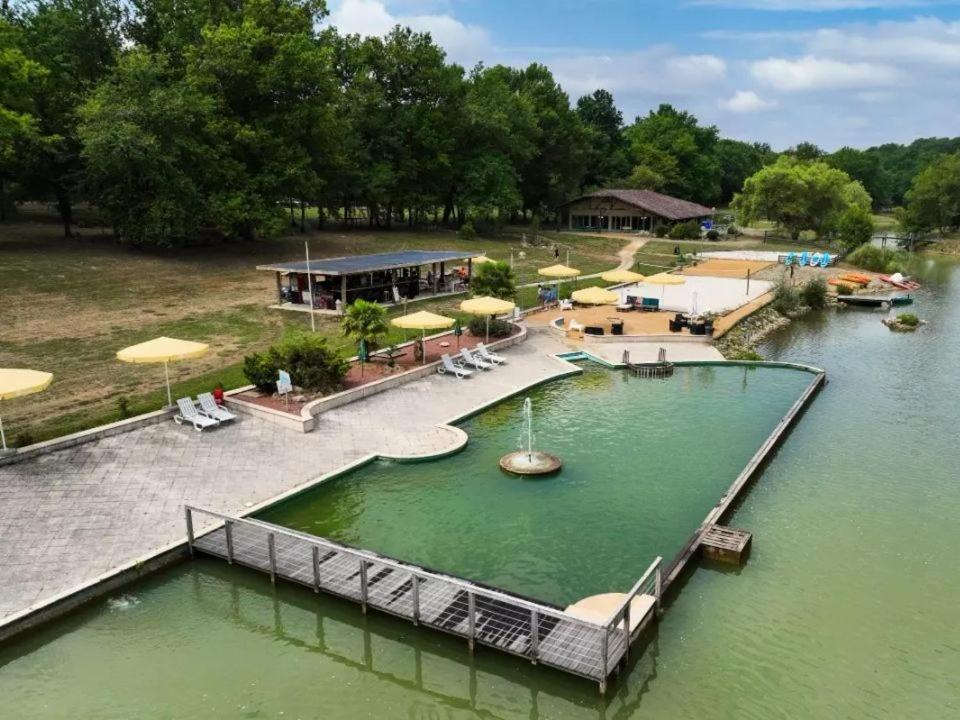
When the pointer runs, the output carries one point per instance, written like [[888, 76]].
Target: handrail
[[617, 614], [413, 569]]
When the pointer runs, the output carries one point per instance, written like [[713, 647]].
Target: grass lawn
[[69, 305]]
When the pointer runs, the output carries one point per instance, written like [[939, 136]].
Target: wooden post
[[471, 619], [534, 636], [604, 648], [279, 288], [657, 591], [272, 551], [363, 585], [436, 280], [343, 293], [228, 532], [316, 568], [415, 590], [626, 627], [188, 515]]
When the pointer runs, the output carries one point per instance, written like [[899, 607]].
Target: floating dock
[[875, 300], [538, 631]]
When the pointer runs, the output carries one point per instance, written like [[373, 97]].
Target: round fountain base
[[521, 462]]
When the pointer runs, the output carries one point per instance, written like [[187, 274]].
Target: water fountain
[[528, 461]]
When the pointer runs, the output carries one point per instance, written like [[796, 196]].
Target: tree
[[855, 227], [799, 195], [867, 169], [738, 161], [673, 144], [608, 150], [933, 200], [495, 279], [365, 321], [806, 151]]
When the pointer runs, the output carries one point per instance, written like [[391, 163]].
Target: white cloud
[[818, 73], [921, 41], [820, 5], [464, 43], [746, 101]]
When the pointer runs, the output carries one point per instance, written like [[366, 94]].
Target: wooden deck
[[538, 631]]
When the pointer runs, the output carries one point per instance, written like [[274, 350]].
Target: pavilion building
[[628, 211]]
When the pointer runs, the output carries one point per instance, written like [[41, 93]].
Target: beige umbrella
[[620, 276], [423, 321], [663, 279], [596, 295], [487, 306], [559, 272], [15, 382], [165, 350]]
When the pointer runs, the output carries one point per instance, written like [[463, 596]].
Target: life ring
[[815, 259]]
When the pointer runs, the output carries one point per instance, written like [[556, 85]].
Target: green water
[[644, 461], [848, 607]]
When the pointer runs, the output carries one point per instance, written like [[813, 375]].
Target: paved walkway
[[70, 516]]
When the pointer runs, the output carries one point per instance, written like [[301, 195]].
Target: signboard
[[284, 383]]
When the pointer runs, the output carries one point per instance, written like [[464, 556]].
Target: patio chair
[[209, 407], [491, 357], [575, 328], [566, 305], [447, 365], [474, 361], [190, 414]]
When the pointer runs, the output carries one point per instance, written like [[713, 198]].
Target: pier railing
[[540, 632]]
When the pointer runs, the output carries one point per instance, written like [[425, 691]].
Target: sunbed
[[474, 361], [448, 365], [492, 357], [190, 414], [209, 407]]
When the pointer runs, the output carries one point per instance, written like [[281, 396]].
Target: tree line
[[182, 120]]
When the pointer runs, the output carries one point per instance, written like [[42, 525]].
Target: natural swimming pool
[[644, 461]]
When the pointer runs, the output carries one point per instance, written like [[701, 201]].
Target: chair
[[447, 365], [566, 305], [676, 326], [190, 414], [575, 328], [485, 354], [474, 361], [593, 330], [650, 304], [209, 407]]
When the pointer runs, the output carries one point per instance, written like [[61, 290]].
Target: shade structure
[[558, 271], [16, 382], [163, 350], [621, 276], [487, 306], [423, 321], [663, 279], [481, 259], [595, 295]]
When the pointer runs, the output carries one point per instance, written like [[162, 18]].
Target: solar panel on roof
[[356, 264]]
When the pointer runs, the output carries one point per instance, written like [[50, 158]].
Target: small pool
[[644, 461]]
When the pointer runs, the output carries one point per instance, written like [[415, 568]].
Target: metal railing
[[537, 631]]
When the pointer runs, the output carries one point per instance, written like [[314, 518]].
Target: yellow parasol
[[165, 350], [596, 295], [423, 321], [15, 382], [487, 306], [481, 259], [621, 276], [559, 272], [663, 279]]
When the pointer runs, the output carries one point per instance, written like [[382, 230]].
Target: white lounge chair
[[447, 365], [190, 414], [470, 359], [492, 357], [209, 407], [566, 305]]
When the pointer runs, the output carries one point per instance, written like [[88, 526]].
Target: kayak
[[902, 284]]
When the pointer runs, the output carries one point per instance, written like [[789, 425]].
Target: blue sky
[[834, 72]]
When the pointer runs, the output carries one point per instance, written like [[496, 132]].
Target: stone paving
[[72, 515]]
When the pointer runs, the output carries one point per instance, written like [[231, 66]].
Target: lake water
[[847, 607]]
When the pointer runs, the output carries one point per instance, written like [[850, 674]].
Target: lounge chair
[[190, 414], [447, 365], [209, 407], [575, 328], [474, 361], [491, 357], [566, 305]]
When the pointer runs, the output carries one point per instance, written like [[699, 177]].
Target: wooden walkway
[[537, 631]]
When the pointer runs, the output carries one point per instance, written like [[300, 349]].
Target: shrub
[[713, 234], [661, 230], [123, 406], [733, 230], [855, 227], [689, 230], [871, 257], [22, 439], [496, 279], [844, 289], [467, 231], [814, 292], [311, 363], [365, 320], [908, 319], [786, 299], [498, 328], [747, 355]]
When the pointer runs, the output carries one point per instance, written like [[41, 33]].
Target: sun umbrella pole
[[3, 438], [423, 347], [313, 321], [488, 330], [166, 374]]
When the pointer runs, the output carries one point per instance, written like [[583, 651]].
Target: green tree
[[738, 161], [673, 144], [867, 169], [933, 200], [855, 227], [495, 279], [607, 159], [365, 321]]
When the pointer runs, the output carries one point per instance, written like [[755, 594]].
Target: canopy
[[487, 306], [621, 276], [558, 271], [480, 259], [665, 279], [423, 320], [595, 295], [162, 349], [15, 382]]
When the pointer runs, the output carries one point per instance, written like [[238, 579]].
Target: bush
[[871, 257], [661, 230], [364, 320], [123, 406], [855, 227], [689, 230], [844, 289], [311, 363], [786, 299], [498, 328], [814, 293], [713, 234], [733, 230], [747, 355], [908, 319], [467, 231], [496, 279]]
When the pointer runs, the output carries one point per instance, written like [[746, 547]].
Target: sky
[[832, 72]]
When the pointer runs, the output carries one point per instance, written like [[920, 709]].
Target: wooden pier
[[725, 545], [875, 300], [538, 631]]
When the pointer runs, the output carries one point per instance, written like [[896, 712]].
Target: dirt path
[[626, 255]]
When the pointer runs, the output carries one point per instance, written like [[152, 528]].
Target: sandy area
[[726, 268]]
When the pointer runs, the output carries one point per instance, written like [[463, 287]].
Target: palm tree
[[495, 279], [365, 321]]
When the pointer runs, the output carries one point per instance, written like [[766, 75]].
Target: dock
[[540, 632], [725, 545], [875, 300]]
